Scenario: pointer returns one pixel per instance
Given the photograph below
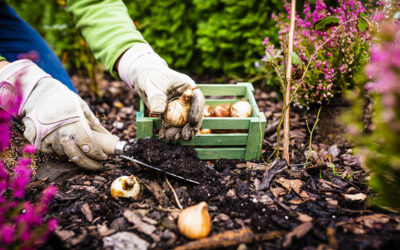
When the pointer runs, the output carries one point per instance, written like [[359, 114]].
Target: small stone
[[124, 241]]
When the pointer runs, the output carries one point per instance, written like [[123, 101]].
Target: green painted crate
[[216, 146]]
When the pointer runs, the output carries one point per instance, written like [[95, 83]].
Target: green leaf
[[326, 23], [362, 25], [295, 58]]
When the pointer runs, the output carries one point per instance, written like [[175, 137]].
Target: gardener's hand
[[56, 119], [157, 84]]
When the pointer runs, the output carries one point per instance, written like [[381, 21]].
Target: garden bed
[[322, 206]]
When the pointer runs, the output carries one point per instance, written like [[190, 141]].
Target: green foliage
[[220, 37], [230, 33], [326, 23]]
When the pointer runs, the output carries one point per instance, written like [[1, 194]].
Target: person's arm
[[113, 38], [107, 28]]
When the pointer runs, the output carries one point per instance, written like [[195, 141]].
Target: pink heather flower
[[48, 194], [265, 42], [7, 233], [30, 149], [328, 54], [52, 225]]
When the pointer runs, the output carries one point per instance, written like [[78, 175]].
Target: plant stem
[[311, 133], [286, 124]]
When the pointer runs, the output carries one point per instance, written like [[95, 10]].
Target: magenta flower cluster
[[334, 65], [22, 224]]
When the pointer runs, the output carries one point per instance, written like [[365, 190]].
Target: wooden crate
[[244, 145]]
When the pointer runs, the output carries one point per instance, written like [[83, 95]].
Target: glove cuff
[[17, 80], [132, 60]]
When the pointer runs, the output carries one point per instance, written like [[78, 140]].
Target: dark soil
[[319, 206]]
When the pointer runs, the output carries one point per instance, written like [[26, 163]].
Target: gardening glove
[[157, 85], [55, 118]]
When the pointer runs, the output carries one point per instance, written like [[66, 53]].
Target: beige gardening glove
[[55, 118], [157, 85]]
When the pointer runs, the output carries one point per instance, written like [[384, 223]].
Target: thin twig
[[311, 134], [286, 123], [175, 195], [160, 208]]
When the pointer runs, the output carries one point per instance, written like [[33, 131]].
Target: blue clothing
[[18, 37]]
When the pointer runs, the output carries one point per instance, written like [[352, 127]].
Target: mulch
[[253, 205]]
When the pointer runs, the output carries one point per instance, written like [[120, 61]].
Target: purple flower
[[7, 233], [30, 149], [48, 194], [265, 42]]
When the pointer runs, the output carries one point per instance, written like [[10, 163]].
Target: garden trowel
[[119, 147]]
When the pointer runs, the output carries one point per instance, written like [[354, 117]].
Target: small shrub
[[343, 54]]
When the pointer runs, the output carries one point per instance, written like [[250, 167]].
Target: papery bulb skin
[[126, 186], [222, 110], [177, 111], [205, 131], [207, 110], [241, 109], [194, 222]]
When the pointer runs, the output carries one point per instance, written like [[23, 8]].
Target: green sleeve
[[106, 27], [2, 58]]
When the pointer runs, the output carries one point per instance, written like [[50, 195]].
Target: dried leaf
[[294, 185], [277, 191]]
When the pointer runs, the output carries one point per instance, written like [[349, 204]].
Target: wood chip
[[297, 233], [64, 234], [146, 228], [87, 212], [304, 217], [355, 197]]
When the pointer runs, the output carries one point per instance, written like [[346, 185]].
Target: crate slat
[[219, 153], [222, 90], [144, 127], [217, 140], [214, 102]]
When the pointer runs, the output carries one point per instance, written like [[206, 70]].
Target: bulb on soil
[[241, 109], [125, 186], [194, 222], [177, 111]]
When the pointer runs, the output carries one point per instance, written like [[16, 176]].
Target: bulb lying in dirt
[[222, 110], [241, 109], [194, 222], [177, 111], [125, 186]]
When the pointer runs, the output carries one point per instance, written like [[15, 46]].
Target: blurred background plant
[[342, 31], [374, 120]]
